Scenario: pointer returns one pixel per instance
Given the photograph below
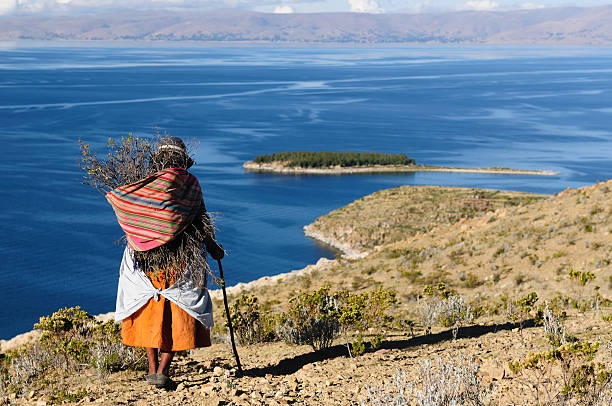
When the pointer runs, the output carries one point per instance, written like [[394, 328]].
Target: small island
[[340, 163]]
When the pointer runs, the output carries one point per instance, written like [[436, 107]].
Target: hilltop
[[481, 252], [564, 25]]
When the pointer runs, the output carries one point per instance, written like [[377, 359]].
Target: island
[[340, 163]]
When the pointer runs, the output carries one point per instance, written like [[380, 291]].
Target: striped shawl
[[155, 210]]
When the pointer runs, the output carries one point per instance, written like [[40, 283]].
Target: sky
[[21, 7]]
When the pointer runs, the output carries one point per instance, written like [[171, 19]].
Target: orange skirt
[[164, 325]]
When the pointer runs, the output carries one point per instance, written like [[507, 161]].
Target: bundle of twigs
[[131, 159]]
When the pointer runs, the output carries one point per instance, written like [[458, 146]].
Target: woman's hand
[[215, 250]]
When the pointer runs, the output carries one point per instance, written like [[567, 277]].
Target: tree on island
[[324, 159]]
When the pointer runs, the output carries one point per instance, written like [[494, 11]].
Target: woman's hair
[[171, 153]]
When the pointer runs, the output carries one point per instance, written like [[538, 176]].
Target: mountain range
[[563, 25]]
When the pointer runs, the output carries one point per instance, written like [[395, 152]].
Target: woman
[[162, 300]]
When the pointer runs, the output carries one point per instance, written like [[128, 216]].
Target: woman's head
[[171, 153]]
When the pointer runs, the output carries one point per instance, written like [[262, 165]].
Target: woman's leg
[[152, 358], [164, 362]]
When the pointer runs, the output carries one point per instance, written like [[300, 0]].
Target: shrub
[[376, 341], [364, 311], [108, 354], [440, 383], [65, 334], [581, 276], [520, 310], [358, 346], [71, 340], [554, 328], [250, 323], [444, 307], [318, 317], [565, 375], [312, 319]]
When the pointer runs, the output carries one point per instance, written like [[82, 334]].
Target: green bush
[[71, 341], [377, 341], [66, 334], [358, 346], [317, 318], [576, 379], [580, 276], [250, 323], [366, 310], [312, 319]]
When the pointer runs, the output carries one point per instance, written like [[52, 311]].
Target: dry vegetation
[[395, 214], [503, 301]]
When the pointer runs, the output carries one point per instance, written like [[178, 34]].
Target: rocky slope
[[559, 247]]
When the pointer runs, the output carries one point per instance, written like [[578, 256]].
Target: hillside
[[566, 25], [481, 259], [395, 214]]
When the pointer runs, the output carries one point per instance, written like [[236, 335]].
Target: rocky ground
[[278, 374], [488, 248]]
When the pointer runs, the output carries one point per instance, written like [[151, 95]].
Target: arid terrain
[[560, 25], [482, 279]]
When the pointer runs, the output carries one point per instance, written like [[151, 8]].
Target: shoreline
[[215, 294], [251, 166], [322, 263], [346, 251]]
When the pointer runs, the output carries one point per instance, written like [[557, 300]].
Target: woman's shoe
[[150, 378], [160, 381]]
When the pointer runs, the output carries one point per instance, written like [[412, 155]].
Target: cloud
[[531, 6], [421, 6], [365, 6], [93, 6], [284, 9], [481, 5], [7, 6]]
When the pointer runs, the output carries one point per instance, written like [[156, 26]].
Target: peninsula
[[457, 278], [345, 163]]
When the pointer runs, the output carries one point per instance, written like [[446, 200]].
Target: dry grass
[[395, 214]]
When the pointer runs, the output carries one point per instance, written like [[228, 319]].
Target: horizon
[[54, 8]]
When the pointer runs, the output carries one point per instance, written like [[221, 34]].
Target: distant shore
[[279, 167]]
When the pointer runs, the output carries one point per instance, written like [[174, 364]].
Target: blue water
[[524, 108]]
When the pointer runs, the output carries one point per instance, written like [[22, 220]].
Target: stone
[[236, 392], [207, 389], [218, 371], [213, 400]]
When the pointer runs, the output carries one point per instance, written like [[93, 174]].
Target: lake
[[530, 108]]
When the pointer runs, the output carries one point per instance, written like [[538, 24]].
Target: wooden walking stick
[[229, 319]]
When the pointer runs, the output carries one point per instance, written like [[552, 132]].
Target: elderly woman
[[162, 300]]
